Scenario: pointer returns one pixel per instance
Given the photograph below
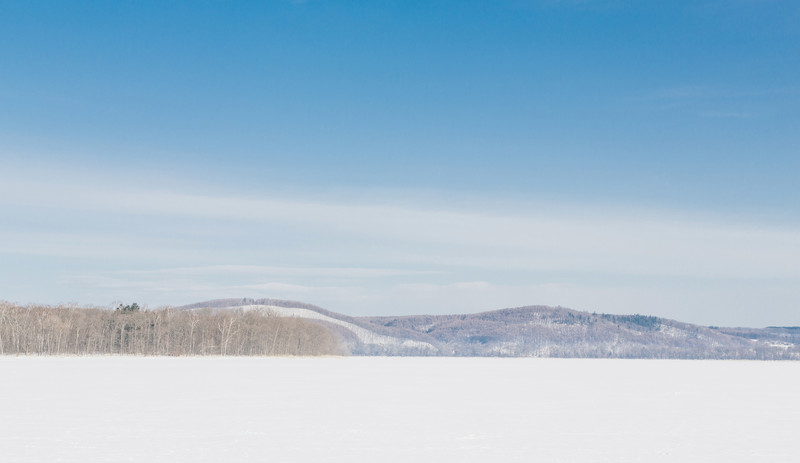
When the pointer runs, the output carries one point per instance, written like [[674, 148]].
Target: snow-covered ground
[[372, 409]]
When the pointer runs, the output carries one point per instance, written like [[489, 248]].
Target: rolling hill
[[532, 331]]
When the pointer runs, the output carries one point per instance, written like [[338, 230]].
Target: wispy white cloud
[[727, 114], [719, 92], [371, 257], [273, 288], [261, 270], [431, 288], [721, 101], [473, 285], [598, 241]]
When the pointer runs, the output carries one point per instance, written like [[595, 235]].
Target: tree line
[[67, 330]]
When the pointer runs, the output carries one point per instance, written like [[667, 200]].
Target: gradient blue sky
[[405, 157]]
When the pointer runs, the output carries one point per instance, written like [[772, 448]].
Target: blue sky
[[405, 157]]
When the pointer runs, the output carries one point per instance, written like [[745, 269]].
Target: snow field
[[144, 409]]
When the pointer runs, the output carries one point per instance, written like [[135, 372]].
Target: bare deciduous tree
[[62, 330]]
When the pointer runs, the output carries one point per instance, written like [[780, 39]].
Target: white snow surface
[[364, 335], [376, 409]]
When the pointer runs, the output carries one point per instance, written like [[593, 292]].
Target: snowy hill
[[355, 336], [533, 331]]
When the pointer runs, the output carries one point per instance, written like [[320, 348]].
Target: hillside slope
[[533, 331]]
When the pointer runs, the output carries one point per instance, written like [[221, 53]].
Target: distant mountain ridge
[[533, 331]]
